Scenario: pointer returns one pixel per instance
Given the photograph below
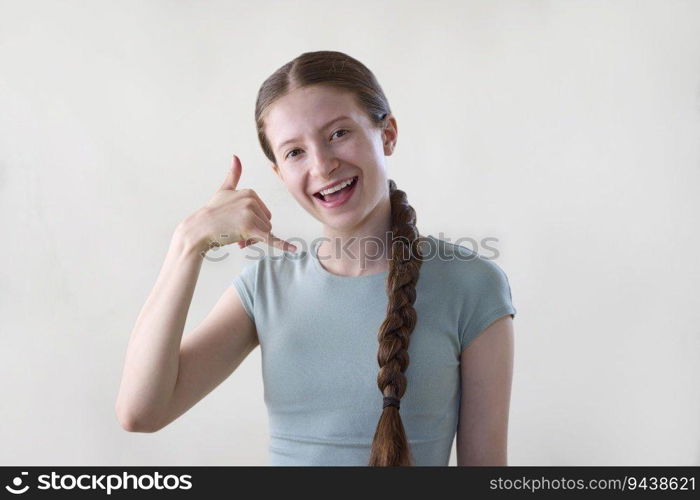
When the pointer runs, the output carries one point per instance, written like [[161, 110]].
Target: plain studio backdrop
[[568, 132]]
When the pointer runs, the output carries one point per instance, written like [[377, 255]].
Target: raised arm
[[152, 355], [163, 374], [209, 354]]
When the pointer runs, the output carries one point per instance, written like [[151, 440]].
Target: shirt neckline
[[322, 270]]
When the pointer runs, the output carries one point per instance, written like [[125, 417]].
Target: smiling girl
[[375, 361]]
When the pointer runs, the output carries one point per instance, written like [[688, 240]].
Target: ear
[[390, 134]]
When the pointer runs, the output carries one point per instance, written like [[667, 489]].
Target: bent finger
[[262, 204], [248, 242], [280, 243]]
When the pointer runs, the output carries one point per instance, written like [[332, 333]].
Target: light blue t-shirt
[[318, 341]]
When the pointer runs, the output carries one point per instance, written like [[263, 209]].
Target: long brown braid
[[336, 69], [390, 447]]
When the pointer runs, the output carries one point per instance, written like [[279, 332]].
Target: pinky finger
[[243, 244]]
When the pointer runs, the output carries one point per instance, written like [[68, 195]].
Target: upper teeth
[[336, 187]]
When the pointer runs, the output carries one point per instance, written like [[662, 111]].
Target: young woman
[[378, 344]]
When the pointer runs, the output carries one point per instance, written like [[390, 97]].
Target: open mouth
[[337, 194]]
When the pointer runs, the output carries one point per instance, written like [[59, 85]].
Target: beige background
[[568, 130]]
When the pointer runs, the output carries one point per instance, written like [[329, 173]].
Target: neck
[[361, 250]]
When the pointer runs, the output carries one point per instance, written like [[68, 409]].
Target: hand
[[235, 216]]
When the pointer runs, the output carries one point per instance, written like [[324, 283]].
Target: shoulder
[[476, 286], [461, 266]]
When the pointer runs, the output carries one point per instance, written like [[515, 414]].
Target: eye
[[297, 149], [340, 130]]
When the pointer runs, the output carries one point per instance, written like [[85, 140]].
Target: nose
[[324, 162]]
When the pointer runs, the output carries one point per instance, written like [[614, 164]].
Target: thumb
[[233, 175]]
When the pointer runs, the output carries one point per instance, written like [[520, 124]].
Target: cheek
[[292, 179], [355, 146], [297, 189], [370, 150], [298, 193]]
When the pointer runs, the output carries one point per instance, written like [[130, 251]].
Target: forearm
[[152, 357]]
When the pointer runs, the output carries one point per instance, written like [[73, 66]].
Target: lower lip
[[346, 195]]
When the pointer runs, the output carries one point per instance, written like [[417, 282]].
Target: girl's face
[[319, 136]]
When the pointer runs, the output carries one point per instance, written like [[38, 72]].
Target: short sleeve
[[245, 283], [493, 301]]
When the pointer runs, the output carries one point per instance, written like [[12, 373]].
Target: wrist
[[187, 240]]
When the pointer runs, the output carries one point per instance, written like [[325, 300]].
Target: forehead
[[306, 109]]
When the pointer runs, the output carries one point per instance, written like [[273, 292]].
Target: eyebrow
[[326, 125]]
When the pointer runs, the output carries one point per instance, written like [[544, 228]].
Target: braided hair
[[389, 446]]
